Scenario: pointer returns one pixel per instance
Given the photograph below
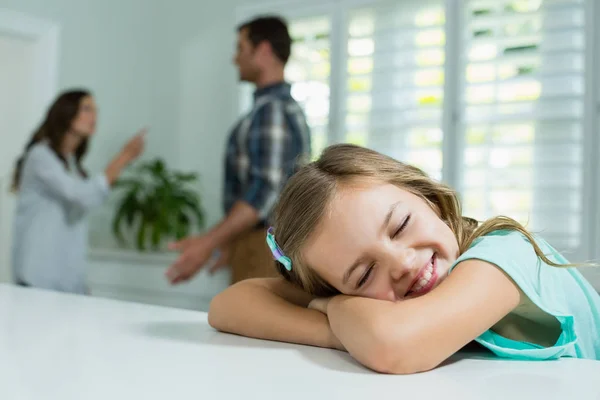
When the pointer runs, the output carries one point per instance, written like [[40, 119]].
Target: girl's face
[[382, 242]]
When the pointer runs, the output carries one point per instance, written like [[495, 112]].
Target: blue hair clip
[[276, 250]]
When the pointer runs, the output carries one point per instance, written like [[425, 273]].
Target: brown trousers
[[251, 257]]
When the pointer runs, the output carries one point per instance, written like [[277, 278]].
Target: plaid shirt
[[265, 149]]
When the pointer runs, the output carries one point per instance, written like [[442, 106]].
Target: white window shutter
[[393, 93], [523, 105]]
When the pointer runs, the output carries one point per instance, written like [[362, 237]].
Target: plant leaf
[[116, 224], [156, 234], [131, 207], [195, 208], [141, 235], [159, 202], [126, 211], [183, 226]]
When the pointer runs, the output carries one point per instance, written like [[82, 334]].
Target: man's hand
[[195, 252], [222, 260]]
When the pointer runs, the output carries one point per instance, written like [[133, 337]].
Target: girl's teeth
[[425, 279]]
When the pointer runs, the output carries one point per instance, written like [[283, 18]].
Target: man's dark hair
[[273, 30]]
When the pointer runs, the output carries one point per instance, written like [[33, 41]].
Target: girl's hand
[[320, 304]]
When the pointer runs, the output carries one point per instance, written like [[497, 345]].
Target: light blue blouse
[[50, 227]]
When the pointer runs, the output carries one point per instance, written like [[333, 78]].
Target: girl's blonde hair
[[308, 194]]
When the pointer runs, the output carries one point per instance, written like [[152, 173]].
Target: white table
[[55, 346]]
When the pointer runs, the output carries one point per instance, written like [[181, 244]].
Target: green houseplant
[[157, 204]]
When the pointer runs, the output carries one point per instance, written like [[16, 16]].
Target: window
[[509, 104], [395, 75], [523, 102]]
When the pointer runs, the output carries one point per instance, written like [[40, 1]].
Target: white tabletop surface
[[56, 346]]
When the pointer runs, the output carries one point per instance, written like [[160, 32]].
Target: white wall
[[115, 49], [106, 46], [17, 74], [208, 92]]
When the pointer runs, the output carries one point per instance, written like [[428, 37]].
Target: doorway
[[28, 50]]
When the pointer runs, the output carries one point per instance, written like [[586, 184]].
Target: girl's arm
[[272, 309], [418, 334]]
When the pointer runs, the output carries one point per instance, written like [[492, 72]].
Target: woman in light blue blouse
[[56, 194]]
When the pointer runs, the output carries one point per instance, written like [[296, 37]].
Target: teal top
[[561, 292]]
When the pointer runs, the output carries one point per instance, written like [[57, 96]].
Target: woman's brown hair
[[55, 126]]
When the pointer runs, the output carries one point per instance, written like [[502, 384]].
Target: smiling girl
[[377, 259]]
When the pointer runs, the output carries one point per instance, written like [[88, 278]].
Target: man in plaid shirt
[[265, 148]]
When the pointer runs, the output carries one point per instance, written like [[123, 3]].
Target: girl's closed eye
[[365, 278], [402, 226]]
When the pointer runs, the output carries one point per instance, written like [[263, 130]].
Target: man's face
[[245, 58]]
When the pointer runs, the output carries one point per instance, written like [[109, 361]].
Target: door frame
[[45, 37]]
